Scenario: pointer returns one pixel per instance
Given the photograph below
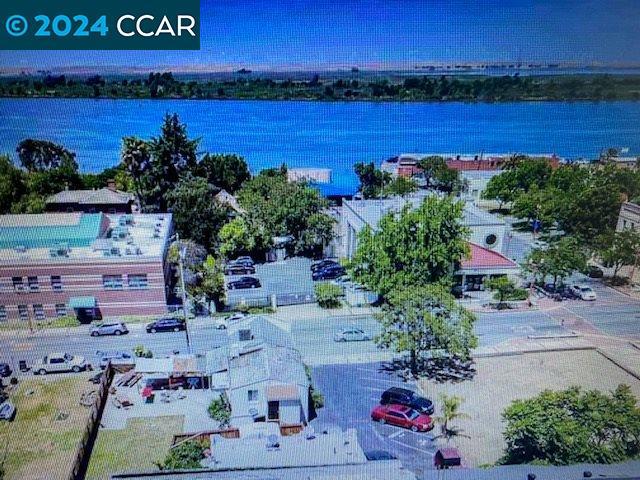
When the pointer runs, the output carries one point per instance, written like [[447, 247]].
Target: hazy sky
[[281, 33]]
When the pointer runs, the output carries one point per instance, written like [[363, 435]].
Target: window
[[490, 239], [38, 311], [56, 283], [23, 312], [56, 360], [17, 283], [252, 395], [138, 281], [112, 282], [33, 283], [3, 313], [61, 309]]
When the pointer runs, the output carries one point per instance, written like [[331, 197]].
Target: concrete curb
[[619, 365]]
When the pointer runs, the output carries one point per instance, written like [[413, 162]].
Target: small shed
[[447, 457]]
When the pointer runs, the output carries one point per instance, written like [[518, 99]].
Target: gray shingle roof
[[101, 196]]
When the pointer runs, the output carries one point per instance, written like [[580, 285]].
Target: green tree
[[537, 204], [12, 186], [503, 188], [412, 247], [236, 238], [619, 249], [401, 186], [220, 410], [372, 180], [196, 213], [423, 320], [559, 260], [573, 426], [450, 408], [42, 155], [227, 172], [135, 156], [209, 284], [184, 456]]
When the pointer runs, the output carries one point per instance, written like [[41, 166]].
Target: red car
[[402, 416]]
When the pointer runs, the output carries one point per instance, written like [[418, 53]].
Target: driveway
[[291, 276], [350, 392]]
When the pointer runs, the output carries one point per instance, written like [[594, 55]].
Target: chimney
[[111, 184]]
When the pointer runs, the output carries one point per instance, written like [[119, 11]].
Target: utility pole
[[181, 253]]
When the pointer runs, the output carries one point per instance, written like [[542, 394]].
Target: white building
[[486, 238], [629, 217]]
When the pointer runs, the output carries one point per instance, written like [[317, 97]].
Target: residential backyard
[[140, 446], [41, 442], [500, 380]]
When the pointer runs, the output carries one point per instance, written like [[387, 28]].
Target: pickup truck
[[59, 362]]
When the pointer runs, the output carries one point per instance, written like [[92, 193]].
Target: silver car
[[351, 335], [7, 411], [111, 328]]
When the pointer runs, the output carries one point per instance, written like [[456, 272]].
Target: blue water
[[333, 135]]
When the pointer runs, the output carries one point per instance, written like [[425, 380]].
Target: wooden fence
[[85, 445], [228, 433]]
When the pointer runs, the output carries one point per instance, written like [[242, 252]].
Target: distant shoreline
[[422, 88]]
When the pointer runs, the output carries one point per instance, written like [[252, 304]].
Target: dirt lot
[[42, 440], [500, 380], [137, 447]]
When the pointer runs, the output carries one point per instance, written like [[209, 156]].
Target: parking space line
[[412, 447], [396, 434]]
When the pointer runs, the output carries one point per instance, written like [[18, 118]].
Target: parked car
[[402, 416], [5, 370], [239, 269], [328, 273], [583, 292], [321, 264], [59, 362], [7, 411], [244, 282], [115, 357], [408, 398], [244, 260], [594, 272], [166, 325], [351, 335], [224, 322], [112, 328]]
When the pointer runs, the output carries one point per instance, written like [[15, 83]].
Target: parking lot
[[350, 392], [289, 277]]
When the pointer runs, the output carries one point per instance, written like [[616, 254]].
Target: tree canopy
[[227, 172], [372, 180], [426, 319], [619, 249], [43, 155], [412, 247], [559, 260], [573, 426]]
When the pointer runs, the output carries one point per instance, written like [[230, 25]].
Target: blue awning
[[82, 302]]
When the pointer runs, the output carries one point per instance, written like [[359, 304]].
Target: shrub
[[328, 295], [141, 351], [187, 455], [317, 399], [518, 294], [220, 410]]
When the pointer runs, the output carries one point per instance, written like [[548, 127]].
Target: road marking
[[412, 447], [399, 433]]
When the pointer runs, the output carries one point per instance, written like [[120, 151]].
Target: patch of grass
[[142, 445], [38, 445]]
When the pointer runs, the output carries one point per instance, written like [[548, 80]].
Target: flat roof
[[82, 237]]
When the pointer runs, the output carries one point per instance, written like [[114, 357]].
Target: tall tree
[[42, 155], [209, 285], [228, 172], [425, 319], [559, 260], [573, 426], [12, 186], [135, 156], [412, 247], [619, 249], [372, 180], [196, 213]]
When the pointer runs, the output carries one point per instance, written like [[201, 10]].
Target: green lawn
[[138, 447], [41, 442]]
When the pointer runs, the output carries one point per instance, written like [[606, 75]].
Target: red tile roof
[[482, 257]]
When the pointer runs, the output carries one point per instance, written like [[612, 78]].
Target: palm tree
[[450, 412]]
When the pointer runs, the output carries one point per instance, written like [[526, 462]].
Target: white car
[[223, 323], [583, 292], [59, 362], [351, 335]]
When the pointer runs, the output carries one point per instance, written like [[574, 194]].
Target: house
[[105, 200], [225, 198], [261, 374], [629, 216], [91, 265], [486, 240]]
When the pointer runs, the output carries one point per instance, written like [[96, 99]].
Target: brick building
[[91, 265]]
